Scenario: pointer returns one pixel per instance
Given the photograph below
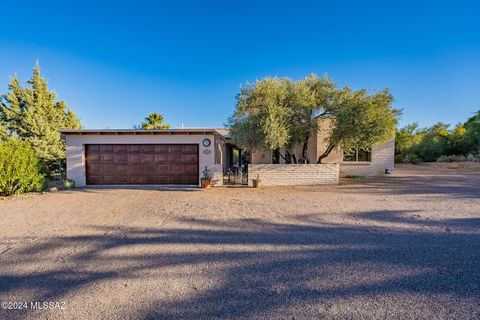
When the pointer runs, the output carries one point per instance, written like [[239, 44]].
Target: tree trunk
[[304, 150], [325, 154], [294, 159]]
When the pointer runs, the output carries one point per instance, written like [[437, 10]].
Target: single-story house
[[179, 156]]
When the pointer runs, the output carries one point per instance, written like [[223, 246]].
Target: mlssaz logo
[[56, 305]]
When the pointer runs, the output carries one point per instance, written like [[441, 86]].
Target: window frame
[[356, 152]]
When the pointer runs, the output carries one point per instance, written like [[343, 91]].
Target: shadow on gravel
[[455, 186], [264, 266], [102, 188]]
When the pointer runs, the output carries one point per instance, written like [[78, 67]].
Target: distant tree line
[[415, 144], [30, 143]]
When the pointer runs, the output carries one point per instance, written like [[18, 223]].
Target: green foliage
[[3, 131], [361, 119], [434, 142], [154, 121], [206, 174], [431, 143], [34, 115], [406, 137], [260, 118], [412, 158], [308, 99], [472, 133], [20, 168], [274, 113]]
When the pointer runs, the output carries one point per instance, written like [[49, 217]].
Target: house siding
[[383, 157]]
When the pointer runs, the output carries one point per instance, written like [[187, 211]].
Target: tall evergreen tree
[[33, 114]]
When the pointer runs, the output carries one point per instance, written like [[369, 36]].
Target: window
[[356, 155]]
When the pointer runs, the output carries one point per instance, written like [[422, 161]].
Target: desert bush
[[399, 158], [458, 158], [412, 158], [471, 157], [20, 168]]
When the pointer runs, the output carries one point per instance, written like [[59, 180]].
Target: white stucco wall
[[76, 154], [383, 157]]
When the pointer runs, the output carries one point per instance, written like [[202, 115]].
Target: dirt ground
[[405, 247]]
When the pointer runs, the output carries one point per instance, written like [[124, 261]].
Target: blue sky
[[114, 62]]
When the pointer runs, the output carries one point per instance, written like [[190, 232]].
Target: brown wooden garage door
[[141, 163]]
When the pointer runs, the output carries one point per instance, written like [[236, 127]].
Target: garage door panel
[[189, 149], [189, 158], [176, 158], [149, 148], [162, 158], [109, 169], [161, 148], [93, 148], [120, 157], [138, 180], [149, 170], [106, 148], [107, 156], [136, 148], [142, 164], [135, 157], [190, 180], [176, 148], [149, 158], [120, 148], [193, 169], [93, 157], [91, 167], [115, 179]]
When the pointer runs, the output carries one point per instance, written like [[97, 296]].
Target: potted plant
[[206, 180], [256, 182], [68, 184]]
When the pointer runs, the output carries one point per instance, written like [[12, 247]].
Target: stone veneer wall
[[293, 174]]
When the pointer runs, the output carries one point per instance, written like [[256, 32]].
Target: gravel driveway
[[406, 247]]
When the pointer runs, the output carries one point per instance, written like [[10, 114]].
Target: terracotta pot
[[256, 183], [206, 184]]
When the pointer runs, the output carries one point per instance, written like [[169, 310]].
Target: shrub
[[472, 157], [20, 168], [412, 158], [456, 158], [450, 158], [399, 158]]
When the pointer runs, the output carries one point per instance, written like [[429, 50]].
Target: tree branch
[[326, 153]]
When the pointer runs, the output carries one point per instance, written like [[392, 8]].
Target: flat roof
[[141, 132]]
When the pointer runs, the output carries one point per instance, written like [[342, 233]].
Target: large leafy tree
[[273, 113], [154, 121], [309, 98], [406, 137], [34, 114], [361, 120], [472, 133], [260, 117]]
